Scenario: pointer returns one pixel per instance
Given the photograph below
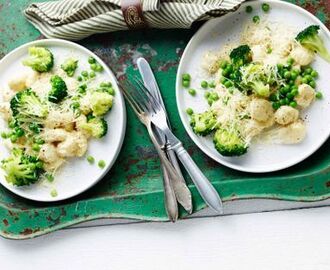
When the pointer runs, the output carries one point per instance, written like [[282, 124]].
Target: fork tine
[[140, 95], [153, 103], [135, 106]]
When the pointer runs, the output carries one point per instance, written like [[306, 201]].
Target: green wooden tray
[[133, 187]]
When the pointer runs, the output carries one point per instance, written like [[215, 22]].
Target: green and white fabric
[[77, 19]]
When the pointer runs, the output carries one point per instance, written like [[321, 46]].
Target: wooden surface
[[277, 240], [133, 188]]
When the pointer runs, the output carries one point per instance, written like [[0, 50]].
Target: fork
[[171, 205], [154, 111]]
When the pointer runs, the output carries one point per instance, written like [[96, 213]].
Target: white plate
[[216, 33], [77, 175]]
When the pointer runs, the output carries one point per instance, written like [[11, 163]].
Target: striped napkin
[[77, 19]]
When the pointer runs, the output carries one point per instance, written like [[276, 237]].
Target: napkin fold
[[77, 19]]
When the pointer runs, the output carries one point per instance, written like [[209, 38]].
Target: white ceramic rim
[[181, 110], [120, 96]]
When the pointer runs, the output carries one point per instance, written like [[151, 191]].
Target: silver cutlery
[[181, 190], [170, 198], [154, 112]]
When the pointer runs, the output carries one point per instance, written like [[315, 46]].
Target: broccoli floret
[[203, 123], [254, 77], [96, 126], [59, 90], [69, 66], [40, 59], [229, 142], [26, 106], [101, 103], [241, 55], [310, 39], [21, 169], [260, 88]]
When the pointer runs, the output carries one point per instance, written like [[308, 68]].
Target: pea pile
[[292, 78], [94, 66]]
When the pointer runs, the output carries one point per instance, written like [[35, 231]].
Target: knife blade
[[181, 190]]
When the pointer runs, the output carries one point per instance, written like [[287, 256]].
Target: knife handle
[[182, 192], [203, 185]]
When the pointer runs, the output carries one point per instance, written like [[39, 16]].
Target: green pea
[[91, 60], [189, 111], [308, 70], [225, 73], [212, 84], [248, 9], [314, 74], [294, 75], [105, 84], [287, 75], [290, 96], [283, 102], [284, 90], [293, 104], [84, 73], [273, 97], [223, 80], [186, 84], [207, 94], [111, 91], [93, 66], [204, 84], [92, 74], [308, 78], [228, 84], [265, 7], [19, 132], [12, 124], [304, 80], [256, 19], [276, 105], [224, 64], [39, 141], [101, 164], [279, 66], [13, 138], [90, 159], [79, 78], [192, 92], [294, 87], [229, 68], [4, 135], [36, 147], [290, 61], [291, 82], [318, 95], [312, 83], [186, 77], [214, 96], [99, 68], [294, 92]]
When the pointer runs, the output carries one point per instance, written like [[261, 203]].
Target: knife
[[181, 190]]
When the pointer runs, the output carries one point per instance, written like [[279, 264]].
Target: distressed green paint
[[133, 188]]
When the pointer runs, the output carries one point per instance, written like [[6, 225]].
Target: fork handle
[[171, 204], [203, 185]]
